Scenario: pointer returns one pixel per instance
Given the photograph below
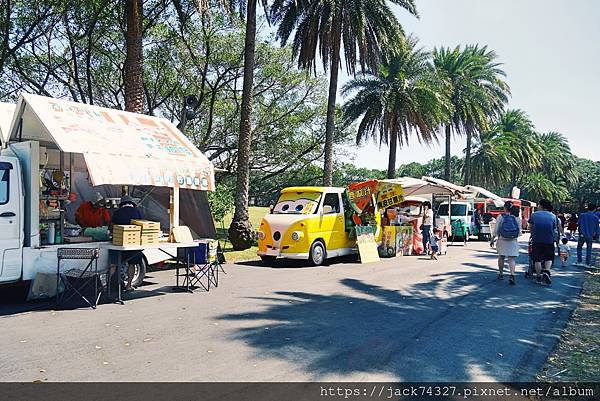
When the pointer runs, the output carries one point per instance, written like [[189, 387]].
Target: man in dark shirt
[[543, 234], [128, 211]]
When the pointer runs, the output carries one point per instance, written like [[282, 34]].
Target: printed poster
[[367, 246]]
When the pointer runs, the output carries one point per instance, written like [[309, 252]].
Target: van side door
[[11, 228]]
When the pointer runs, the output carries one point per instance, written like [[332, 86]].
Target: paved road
[[406, 318]]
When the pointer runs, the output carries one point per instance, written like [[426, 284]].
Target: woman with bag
[[508, 229]]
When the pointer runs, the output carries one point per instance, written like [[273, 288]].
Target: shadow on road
[[455, 326]]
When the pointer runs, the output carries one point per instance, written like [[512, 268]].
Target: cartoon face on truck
[[306, 223]]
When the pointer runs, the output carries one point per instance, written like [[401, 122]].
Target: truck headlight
[[296, 235], [261, 235]]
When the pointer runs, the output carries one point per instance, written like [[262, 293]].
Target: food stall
[[416, 191], [485, 201], [50, 141]]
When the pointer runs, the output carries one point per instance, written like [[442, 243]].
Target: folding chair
[[78, 280], [196, 268]]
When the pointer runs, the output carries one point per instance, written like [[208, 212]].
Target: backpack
[[509, 227]]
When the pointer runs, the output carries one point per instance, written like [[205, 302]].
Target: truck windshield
[[297, 203], [456, 209]]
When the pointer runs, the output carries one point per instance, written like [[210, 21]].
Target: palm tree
[[557, 162], [362, 27], [478, 93], [507, 152], [491, 156], [518, 135], [538, 186], [241, 233], [133, 74], [404, 96]]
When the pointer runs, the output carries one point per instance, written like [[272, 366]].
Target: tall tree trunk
[[134, 83], [333, 82], [241, 233], [447, 171], [391, 173], [467, 168]]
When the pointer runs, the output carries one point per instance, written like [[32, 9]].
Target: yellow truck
[[310, 223]]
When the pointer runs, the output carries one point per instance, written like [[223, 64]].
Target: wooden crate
[[147, 225], [126, 235], [148, 240]]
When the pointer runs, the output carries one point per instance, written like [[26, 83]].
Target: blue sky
[[551, 54]]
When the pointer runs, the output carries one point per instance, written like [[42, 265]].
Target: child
[[433, 243], [564, 251]]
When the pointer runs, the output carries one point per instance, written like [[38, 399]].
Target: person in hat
[[93, 213], [128, 211]]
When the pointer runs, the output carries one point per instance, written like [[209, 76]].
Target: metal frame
[[90, 274]]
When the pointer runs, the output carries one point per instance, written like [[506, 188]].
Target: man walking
[[588, 230], [543, 231]]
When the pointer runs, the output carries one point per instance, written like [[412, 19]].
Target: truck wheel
[[317, 253], [139, 273]]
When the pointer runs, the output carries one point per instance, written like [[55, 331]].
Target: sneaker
[[579, 264], [538, 280], [546, 277], [500, 276], [511, 280]]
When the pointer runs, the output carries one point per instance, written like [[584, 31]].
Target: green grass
[[256, 215], [577, 355]]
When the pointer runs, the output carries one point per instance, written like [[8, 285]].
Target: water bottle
[[51, 233]]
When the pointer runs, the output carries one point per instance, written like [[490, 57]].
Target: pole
[[174, 208]]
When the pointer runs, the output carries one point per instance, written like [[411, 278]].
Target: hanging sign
[[360, 193], [389, 195]]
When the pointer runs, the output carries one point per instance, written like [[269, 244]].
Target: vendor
[[128, 211], [93, 213]]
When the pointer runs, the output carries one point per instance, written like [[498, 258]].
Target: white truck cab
[[11, 219]]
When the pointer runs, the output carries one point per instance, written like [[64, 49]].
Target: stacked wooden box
[[149, 231], [126, 234]]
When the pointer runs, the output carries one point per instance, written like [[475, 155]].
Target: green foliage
[[587, 187], [221, 202], [538, 185]]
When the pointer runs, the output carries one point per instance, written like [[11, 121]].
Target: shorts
[[542, 252]]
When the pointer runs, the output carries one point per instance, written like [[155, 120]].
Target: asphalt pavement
[[405, 318]]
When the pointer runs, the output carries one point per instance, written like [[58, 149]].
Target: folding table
[[169, 248]]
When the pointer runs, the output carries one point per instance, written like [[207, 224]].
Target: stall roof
[[119, 148], [458, 190], [498, 201], [416, 186], [6, 114]]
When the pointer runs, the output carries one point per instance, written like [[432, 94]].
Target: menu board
[[367, 246]]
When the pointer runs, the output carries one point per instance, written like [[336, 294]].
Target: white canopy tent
[[478, 192], [118, 147], [113, 147], [7, 110], [419, 187]]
